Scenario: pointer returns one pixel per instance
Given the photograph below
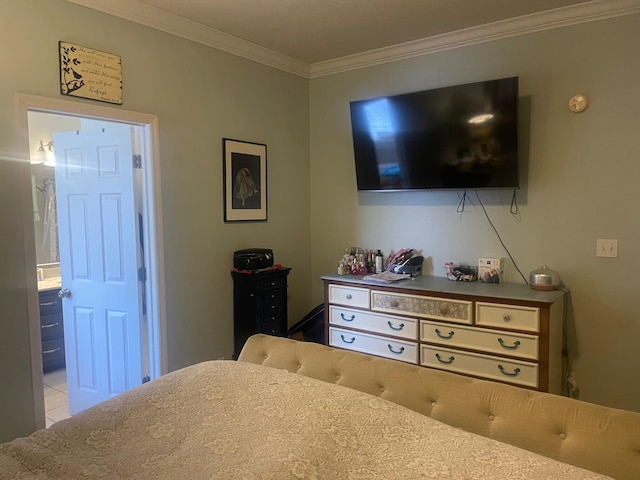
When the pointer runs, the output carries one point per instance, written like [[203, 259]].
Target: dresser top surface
[[507, 291]]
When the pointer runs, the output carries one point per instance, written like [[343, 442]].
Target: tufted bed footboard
[[601, 439]]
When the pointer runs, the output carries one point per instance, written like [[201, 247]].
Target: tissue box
[[490, 270]]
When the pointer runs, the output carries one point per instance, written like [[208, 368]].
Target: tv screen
[[459, 137]]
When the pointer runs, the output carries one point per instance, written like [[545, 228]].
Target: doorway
[[41, 118]]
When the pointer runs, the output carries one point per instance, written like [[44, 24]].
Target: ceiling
[[303, 34]]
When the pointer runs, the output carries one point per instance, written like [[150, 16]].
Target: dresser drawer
[[271, 298], [350, 296], [276, 282], [458, 311], [476, 364], [374, 345], [508, 316], [492, 341], [374, 322]]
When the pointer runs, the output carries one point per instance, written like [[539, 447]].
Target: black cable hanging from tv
[[500, 238]]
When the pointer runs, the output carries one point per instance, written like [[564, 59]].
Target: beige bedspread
[[235, 420]]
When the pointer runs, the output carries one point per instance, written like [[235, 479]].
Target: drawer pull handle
[[509, 374], [506, 317], [48, 304], [46, 352], [349, 297], [446, 337], [451, 359], [353, 317], [50, 325], [398, 328], [397, 352], [515, 345], [353, 339]]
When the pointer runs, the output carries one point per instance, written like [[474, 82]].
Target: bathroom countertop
[[49, 284]]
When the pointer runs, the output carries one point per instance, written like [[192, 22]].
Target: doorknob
[[65, 292]]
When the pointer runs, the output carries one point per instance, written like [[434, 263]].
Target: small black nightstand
[[259, 304]]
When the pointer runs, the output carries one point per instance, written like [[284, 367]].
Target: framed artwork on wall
[[245, 181]]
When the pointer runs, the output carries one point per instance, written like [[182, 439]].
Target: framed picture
[[245, 181]]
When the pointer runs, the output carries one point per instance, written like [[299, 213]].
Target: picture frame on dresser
[[245, 181]]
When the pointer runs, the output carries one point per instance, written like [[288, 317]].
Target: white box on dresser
[[504, 332]]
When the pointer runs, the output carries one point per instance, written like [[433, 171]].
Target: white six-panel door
[[99, 259]]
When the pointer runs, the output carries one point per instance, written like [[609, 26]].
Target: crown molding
[[536, 22], [152, 17]]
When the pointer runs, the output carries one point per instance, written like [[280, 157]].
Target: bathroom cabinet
[[51, 330]]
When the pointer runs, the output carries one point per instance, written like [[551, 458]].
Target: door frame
[[153, 239]]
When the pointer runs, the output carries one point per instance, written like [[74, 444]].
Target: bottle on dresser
[[378, 261]]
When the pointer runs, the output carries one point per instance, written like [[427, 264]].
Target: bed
[[244, 420]]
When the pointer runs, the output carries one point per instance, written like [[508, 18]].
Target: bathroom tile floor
[[56, 404]]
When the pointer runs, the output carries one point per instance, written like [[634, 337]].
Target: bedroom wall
[[200, 95], [583, 175]]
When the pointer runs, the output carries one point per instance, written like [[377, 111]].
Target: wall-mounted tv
[[459, 137]]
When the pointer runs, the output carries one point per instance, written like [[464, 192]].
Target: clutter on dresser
[[407, 262], [544, 278], [491, 270], [360, 261], [386, 277], [461, 273]]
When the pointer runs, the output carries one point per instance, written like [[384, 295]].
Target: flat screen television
[[459, 137]]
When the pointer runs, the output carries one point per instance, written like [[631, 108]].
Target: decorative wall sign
[[90, 73], [245, 181]]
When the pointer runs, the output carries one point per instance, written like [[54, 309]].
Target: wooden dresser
[[503, 332]]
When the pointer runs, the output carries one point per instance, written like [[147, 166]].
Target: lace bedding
[[236, 420]]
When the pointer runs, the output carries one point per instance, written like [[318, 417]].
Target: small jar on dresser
[[504, 332]]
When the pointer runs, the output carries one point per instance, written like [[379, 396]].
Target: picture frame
[[245, 181]]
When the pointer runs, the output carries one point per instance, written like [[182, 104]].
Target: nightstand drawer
[[508, 316], [479, 365], [374, 322], [458, 311], [373, 344], [350, 296], [492, 341]]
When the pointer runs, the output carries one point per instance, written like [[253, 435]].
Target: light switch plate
[[607, 248]]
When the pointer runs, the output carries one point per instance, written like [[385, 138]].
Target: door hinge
[[146, 379], [142, 274], [137, 161]]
